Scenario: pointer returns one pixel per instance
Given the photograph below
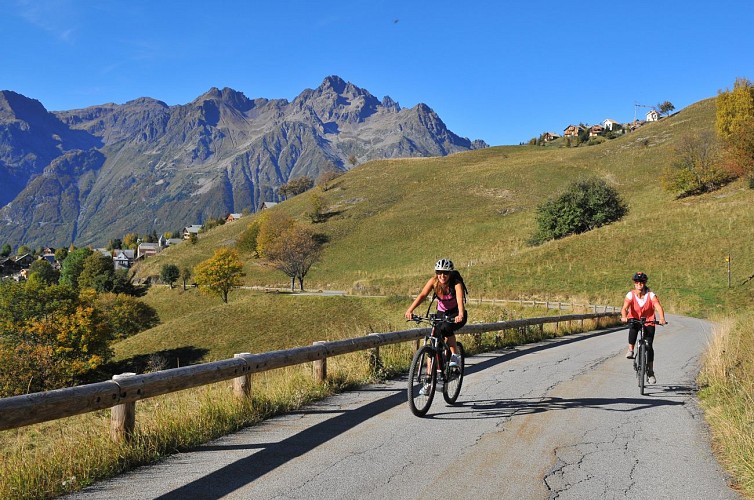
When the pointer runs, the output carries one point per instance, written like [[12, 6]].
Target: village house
[[550, 136], [233, 217], [611, 125], [573, 130], [596, 130], [192, 229], [267, 204], [653, 115], [123, 259], [147, 250]]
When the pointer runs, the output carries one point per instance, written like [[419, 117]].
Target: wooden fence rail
[[124, 390]]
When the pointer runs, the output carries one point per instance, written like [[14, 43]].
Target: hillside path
[[557, 419]]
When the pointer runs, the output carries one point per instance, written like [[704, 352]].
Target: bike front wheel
[[422, 381], [454, 378], [641, 373]]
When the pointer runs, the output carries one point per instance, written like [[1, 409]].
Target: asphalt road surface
[[558, 419]]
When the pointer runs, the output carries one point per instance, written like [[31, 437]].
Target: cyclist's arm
[[624, 310], [659, 309], [420, 298], [461, 305]]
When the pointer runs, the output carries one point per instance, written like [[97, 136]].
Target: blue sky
[[494, 70]]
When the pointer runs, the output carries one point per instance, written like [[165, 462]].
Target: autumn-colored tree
[[665, 107], [319, 206], [247, 240], [326, 178], [294, 252], [50, 336], [271, 225], [220, 273], [130, 241], [735, 125]]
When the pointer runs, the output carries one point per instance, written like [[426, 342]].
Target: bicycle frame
[[641, 355]]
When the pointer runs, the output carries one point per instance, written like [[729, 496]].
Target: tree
[[696, 168], [325, 179], [247, 240], [319, 206], [50, 336], [6, 251], [73, 265], [352, 160], [220, 273], [131, 241], [126, 315], [665, 107], [295, 186], [23, 250], [61, 254], [735, 124], [97, 272], [272, 223], [44, 271], [185, 276], [169, 273], [585, 205], [294, 252]]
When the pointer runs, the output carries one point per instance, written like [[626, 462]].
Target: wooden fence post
[[319, 366], [242, 383], [123, 416]]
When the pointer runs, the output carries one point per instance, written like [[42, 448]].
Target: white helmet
[[444, 265]]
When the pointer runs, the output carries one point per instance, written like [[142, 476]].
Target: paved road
[[560, 419]]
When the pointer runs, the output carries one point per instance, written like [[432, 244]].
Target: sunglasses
[[442, 272]]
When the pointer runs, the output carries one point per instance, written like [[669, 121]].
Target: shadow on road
[[270, 456]]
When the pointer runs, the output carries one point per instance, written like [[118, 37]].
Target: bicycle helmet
[[640, 276], [444, 265]]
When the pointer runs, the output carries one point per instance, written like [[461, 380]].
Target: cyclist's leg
[[633, 333]]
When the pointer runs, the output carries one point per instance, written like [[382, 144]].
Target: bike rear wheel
[[422, 383], [641, 373], [454, 378]]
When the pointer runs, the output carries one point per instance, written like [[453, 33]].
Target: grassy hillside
[[390, 220]]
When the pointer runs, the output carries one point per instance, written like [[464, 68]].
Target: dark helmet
[[640, 276]]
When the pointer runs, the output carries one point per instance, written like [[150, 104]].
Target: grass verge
[[727, 396]]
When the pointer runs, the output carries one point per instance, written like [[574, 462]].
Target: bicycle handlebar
[[644, 322], [432, 319]]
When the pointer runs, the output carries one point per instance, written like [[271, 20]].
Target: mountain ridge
[[164, 167]]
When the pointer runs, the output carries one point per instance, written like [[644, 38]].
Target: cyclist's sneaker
[[652, 379], [630, 354], [424, 391], [455, 361]]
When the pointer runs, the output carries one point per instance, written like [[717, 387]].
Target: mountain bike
[[431, 360], [640, 356]]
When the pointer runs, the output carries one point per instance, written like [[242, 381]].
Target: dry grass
[[727, 378]]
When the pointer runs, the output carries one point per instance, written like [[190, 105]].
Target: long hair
[[443, 290]]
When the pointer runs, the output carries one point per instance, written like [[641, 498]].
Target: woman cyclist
[[642, 303], [448, 288]]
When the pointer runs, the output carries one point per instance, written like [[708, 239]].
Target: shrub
[[585, 205]]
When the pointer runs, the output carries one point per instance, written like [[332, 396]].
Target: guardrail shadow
[[270, 456]]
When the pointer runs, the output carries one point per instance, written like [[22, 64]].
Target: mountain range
[[89, 175]]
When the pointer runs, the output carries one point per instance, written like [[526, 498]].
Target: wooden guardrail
[[122, 392]]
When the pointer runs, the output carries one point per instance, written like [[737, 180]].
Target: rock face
[[89, 175]]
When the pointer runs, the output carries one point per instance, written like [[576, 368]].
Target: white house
[[611, 125], [653, 115]]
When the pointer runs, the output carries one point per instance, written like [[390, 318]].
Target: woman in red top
[[639, 303]]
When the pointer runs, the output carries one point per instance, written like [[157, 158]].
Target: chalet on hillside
[[147, 250], [233, 217], [123, 259], [573, 130], [596, 130], [192, 229], [550, 136], [267, 204]]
